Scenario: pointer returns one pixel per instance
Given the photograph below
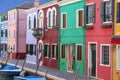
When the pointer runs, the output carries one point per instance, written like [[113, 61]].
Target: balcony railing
[[38, 32]]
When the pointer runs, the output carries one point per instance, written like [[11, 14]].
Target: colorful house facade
[[72, 36], [17, 19], [4, 33], [98, 25], [30, 39], [116, 42], [48, 40]]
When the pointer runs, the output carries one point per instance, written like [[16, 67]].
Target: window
[[34, 49], [29, 22], [9, 17], [90, 14], [9, 33], [46, 50], [79, 53], [118, 58], [6, 33], [14, 15], [13, 47], [105, 54], [14, 33], [54, 17], [80, 18], [54, 51], [31, 49], [41, 18], [2, 33], [49, 19], [34, 21], [63, 21], [106, 13], [63, 51], [118, 13]]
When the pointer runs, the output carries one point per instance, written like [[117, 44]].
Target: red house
[[48, 22], [98, 25]]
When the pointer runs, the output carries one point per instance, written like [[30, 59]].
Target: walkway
[[52, 73]]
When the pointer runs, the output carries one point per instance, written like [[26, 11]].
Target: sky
[[5, 5]]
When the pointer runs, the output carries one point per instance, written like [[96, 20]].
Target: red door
[[70, 57]]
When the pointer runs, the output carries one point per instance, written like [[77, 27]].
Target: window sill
[[105, 65], [106, 25], [89, 26]]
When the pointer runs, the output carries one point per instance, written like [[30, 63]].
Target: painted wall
[[50, 37], [19, 26], [72, 35], [30, 39], [99, 35]]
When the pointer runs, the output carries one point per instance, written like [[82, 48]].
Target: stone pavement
[[52, 73]]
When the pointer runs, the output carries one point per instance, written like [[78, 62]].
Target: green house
[[72, 36]]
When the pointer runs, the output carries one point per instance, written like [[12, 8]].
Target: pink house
[[17, 18]]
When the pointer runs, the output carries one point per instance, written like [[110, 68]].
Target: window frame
[[48, 53], [117, 57], [55, 54], [102, 54], [41, 18], [65, 51], [118, 23], [62, 20], [87, 15], [81, 52], [77, 18]]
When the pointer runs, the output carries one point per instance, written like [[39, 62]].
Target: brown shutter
[[64, 20], [63, 51], [80, 18], [79, 53]]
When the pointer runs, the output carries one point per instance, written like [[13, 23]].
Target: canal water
[[3, 77]]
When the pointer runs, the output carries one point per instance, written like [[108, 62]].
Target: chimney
[[36, 3]]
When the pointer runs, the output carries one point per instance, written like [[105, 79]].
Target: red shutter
[[64, 20], [79, 53], [63, 51], [80, 18]]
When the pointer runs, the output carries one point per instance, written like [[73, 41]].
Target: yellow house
[[116, 41]]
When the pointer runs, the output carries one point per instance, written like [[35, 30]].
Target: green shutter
[[102, 11], [94, 11], [86, 14]]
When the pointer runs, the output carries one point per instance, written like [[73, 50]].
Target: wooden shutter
[[79, 53], [94, 11], [49, 53], [63, 51], [80, 18], [56, 51], [102, 11], [118, 13], [45, 50], [64, 20], [86, 14]]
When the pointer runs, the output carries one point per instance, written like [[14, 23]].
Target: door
[[40, 52], [92, 60], [70, 58]]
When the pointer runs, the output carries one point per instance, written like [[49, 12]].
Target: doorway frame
[[88, 57], [68, 57]]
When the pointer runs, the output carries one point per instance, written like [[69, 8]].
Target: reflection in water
[[3, 77]]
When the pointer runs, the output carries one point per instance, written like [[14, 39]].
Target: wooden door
[[70, 57]]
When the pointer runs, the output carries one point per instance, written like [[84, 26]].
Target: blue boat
[[28, 78], [10, 70]]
